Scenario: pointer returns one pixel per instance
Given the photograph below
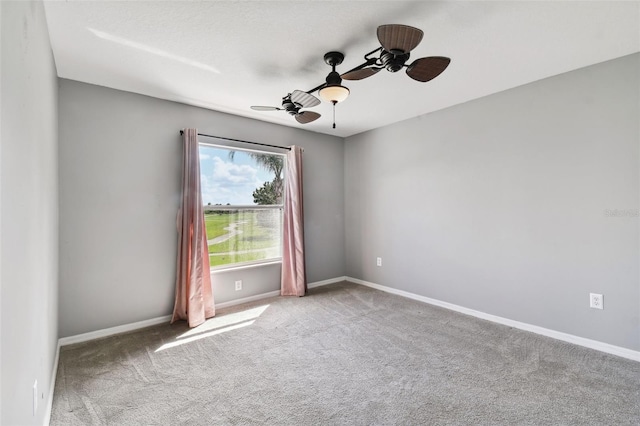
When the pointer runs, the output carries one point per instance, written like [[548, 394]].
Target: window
[[242, 192]]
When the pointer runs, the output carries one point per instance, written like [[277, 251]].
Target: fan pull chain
[[334, 114]]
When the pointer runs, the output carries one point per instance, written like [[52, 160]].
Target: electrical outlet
[[35, 397], [379, 261], [596, 301], [238, 285]]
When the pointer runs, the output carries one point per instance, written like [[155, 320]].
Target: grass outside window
[[239, 236]]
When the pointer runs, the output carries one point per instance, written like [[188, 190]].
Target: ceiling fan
[[397, 41], [293, 103]]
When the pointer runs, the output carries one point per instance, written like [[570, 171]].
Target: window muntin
[[242, 196]]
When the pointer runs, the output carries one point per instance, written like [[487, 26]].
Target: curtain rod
[[240, 140]]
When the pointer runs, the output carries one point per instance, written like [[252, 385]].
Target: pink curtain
[[294, 279], [194, 297]]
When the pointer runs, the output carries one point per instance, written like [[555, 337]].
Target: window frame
[[259, 262]]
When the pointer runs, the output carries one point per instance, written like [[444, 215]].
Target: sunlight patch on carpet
[[204, 335], [217, 325]]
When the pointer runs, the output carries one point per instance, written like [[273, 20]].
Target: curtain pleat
[[294, 279], [194, 298]]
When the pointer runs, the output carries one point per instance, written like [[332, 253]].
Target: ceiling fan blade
[[304, 99], [265, 108], [399, 37], [360, 74], [425, 69], [305, 117]]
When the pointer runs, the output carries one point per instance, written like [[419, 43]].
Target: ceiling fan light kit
[[334, 93], [396, 43], [333, 90]]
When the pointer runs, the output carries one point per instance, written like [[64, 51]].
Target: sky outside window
[[226, 181]]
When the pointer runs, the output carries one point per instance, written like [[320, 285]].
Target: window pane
[[230, 180], [247, 235], [231, 177]]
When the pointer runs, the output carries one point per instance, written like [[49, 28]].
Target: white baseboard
[[247, 299], [570, 338], [52, 386], [276, 293], [105, 332], [326, 282]]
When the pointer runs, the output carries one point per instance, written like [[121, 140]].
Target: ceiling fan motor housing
[[290, 106], [394, 61]]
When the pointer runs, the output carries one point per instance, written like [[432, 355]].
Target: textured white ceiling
[[229, 55]]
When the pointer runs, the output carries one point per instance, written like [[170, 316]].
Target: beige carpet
[[345, 354]]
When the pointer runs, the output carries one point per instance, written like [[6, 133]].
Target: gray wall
[[29, 212], [120, 164], [499, 204]]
